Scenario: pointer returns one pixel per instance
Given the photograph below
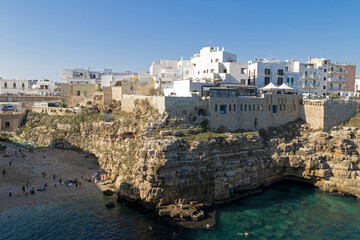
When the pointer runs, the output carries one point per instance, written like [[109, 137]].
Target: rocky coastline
[[176, 169]]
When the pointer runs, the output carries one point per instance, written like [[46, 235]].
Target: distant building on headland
[[27, 87]]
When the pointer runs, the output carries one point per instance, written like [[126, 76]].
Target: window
[[324, 78], [234, 107], [14, 85], [288, 80], [275, 108], [280, 72], [292, 81], [253, 108], [324, 69], [286, 68], [222, 109], [280, 81], [267, 81], [339, 86], [211, 60], [225, 70], [198, 72], [215, 107], [217, 60], [267, 71], [245, 107], [305, 73], [23, 85], [77, 93], [212, 71], [249, 107], [340, 69], [324, 87], [5, 85], [229, 107], [7, 124], [85, 93]]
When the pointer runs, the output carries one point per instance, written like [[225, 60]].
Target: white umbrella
[[270, 87], [284, 87]]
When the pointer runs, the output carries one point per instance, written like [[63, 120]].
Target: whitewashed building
[[103, 78], [14, 86], [210, 66]]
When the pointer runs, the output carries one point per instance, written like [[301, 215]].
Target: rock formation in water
[[154, 160]]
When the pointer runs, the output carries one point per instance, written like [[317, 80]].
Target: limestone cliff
[[155, 160]]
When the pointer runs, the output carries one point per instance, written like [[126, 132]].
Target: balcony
[[337, 72], [337, 80], [308, 77], [310, 86]]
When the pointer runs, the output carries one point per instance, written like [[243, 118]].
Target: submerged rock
[[110, 204], [108, 192]]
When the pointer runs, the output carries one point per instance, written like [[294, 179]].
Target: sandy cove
[[64, 164]]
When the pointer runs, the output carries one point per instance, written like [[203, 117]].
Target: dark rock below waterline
[[110, 204], [108, 192]]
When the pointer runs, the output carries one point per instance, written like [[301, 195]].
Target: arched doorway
[[201, 112], [7, 124]]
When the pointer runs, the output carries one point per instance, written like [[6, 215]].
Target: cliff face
[[156, 160]]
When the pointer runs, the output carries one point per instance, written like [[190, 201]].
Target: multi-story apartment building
[[316, 76], [269, 70], [211, 65], [341, 77]]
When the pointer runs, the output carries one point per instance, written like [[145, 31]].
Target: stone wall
[[107, 95], [327, 114], [253, 113], [57, 110], [11, 121], [312, 111], [128, 102], [336, 112], [182, 107]]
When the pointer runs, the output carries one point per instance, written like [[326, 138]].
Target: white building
[[269, 70], [104, 78], [317, 76], [13, 86], [44, 87], [211, 65]]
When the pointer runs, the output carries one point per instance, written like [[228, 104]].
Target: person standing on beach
[[54, 176], [44, 155], [10, 192], [23, 188]]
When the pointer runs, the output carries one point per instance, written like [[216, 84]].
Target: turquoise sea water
[[284, 211]]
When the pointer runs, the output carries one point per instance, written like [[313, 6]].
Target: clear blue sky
[[40, 38]]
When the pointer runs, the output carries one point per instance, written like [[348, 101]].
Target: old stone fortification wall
[[128, 102], [253, 113], [181, 107], [313, 113], [57, 110], [336, 112], [28, 101], [327, 114]]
